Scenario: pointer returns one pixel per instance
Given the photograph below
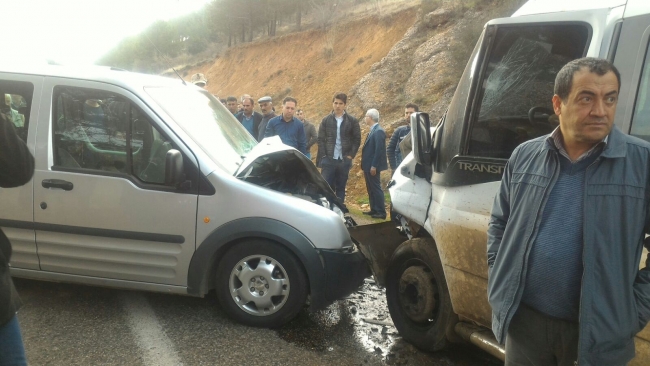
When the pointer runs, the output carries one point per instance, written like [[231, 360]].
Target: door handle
[[57, 183]]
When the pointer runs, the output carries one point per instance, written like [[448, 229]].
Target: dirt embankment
[[381, 62]]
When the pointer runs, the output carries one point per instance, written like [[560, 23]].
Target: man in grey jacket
[[310, 131], [567, 230]]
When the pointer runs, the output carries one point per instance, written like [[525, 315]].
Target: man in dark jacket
[[567, 232], [339, 138], [16, 169], [310, 131], [288, 127], [393, 150], [266, 106], [373, 161], [249, 118]]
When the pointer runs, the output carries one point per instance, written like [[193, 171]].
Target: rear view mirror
[[173, 168], [421, 138]]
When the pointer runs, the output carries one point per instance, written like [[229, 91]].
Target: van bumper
[[344, 274]]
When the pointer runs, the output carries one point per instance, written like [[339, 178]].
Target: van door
[[102, 209], [506, 100], [19, 101]]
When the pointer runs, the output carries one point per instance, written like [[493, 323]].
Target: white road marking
[[156, 347]]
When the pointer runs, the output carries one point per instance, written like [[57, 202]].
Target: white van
[[146, 183], [445, 190]]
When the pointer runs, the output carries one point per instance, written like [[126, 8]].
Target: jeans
[[375, 193], [12, 351], [336, 173], [535, 339]]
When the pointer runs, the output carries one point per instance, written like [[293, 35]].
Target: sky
[[78, 31]]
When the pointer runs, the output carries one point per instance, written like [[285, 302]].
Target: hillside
[[381, 61]]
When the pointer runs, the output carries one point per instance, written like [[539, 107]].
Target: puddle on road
[[362, 321]]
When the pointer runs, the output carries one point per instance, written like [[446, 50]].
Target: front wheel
[[417, 295], [262, 284]]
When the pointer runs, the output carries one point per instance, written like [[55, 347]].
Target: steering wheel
[[539, 109]]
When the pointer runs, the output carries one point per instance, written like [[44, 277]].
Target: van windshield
[[208, 122]]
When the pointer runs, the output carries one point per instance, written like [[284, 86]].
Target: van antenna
[[167, 59]]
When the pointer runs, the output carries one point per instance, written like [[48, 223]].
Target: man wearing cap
[[199, 80], [249, 118], [288, 127], [266, 106], [373, 161]]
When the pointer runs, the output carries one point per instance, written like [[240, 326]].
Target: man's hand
[[373, 171]]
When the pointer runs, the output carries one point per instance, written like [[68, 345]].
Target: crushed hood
[[276, 166]]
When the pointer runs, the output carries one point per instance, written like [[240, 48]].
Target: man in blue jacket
[[288, 127], [393, 151], [373, 161], [567, 230]]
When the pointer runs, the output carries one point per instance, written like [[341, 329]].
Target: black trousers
[[375, 193], [535, 339]]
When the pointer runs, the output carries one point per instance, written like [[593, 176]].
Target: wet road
[[66, 324]]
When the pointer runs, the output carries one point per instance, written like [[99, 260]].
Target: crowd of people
[[338, 139]]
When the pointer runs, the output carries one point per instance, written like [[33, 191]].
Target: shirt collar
[[556, 140]]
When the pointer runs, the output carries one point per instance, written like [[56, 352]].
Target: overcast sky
[[78, 31]]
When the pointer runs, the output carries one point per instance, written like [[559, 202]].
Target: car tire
[[417, 295], [261, 284]]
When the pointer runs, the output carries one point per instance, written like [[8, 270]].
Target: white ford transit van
[[143, 182]]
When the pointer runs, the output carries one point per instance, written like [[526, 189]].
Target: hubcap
[[259, 285], [418, 293]]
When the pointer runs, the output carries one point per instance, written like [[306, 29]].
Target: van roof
[[555, 6], [92, 73]]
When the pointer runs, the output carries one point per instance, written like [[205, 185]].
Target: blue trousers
[[375, 193], [12, 351], [336, 173]]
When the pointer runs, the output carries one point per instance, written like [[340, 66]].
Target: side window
[[16, 103], [641, 116], [517, 87], [101, 131]]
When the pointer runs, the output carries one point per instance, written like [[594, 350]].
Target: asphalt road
[[67, 324]]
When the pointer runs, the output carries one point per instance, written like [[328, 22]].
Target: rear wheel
[[260, 283], [417, 295]]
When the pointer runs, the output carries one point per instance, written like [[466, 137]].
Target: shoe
[[378, 215], [368, 212]]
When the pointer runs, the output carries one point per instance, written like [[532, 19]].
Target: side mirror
[[421, 138], [173, 168]]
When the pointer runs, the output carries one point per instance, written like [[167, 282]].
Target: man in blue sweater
[[289, 128], [567, 232]]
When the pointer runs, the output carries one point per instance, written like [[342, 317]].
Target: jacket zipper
[[582, 279], [519, 291]]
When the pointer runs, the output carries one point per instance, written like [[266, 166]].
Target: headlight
[[338, 211]]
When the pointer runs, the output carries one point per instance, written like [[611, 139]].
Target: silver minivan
[[144, 182]]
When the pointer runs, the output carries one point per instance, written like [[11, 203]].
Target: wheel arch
[[205, 260]]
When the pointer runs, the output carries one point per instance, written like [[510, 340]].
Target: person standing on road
[[393, 150], [16, 169], [231, 105], [310, 131], [373, 161], [249, 118], [288, 127], [567, 231], [266, 106], [339, 138]]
